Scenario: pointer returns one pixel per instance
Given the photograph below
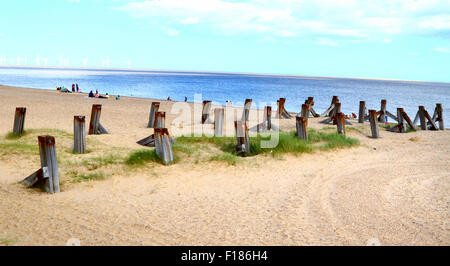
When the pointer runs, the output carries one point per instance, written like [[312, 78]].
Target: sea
[[236, 87]]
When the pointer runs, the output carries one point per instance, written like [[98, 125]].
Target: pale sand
[[398, 192]]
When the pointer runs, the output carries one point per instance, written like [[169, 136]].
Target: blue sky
[[393, 39]]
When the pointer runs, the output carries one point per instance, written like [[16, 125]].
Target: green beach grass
[[105, 161]]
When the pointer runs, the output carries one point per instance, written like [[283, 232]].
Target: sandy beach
[[394, 189]]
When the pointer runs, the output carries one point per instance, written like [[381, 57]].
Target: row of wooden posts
[[162, 141]]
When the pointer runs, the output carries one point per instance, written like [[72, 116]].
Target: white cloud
[[190, 20], [442, 50], [350, 19], [327, 42]]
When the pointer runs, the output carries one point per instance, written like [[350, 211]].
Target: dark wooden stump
[[243, 142], [95, 127], [218, 121], [19, 120], [400, 125], [362, 112], [340, 122], [267, 120], [310, 103], [440, 116], [408, 120], [433, 125], [302, 127], [374, 124], [282, 113], [246, 111], [305, 112], [153, 110], [206, 111], [79, 134], [48, 174], [421, 114], [382, 117], [160, 119], [163, 145]]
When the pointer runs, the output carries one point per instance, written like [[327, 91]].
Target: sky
[[392, 39]]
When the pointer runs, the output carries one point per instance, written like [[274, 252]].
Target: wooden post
[[305, 112], [49, 160], [163, 145], [206, 111], [430, 120], [243, 142], [302, 128], [336, 110], [267, 120], [440, 116], [423, 123], [79, 134], [362, 112], [153, 110], [400, 125], [408, 120], [310, 103], [246, 111], [340, 122], [19, 120], [160, 120], [383, 112], [282, 113], [95, 127], [218, 121], [374, 124]]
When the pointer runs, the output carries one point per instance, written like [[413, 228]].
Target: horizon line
[[207, 72]]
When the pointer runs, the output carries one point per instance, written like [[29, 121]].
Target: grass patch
[[231, 159], [81, 177], [101, 161], [142, 157], [287, 143], [7, 241]]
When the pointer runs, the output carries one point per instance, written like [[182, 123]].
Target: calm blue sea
[[220, 87]]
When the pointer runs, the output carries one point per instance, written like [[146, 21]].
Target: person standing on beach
[[185, 99], [78, 89], [73, 87]]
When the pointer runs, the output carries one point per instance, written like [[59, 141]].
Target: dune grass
[[7, 241], [228, 158]]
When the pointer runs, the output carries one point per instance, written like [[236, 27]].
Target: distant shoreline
[[193, 72]]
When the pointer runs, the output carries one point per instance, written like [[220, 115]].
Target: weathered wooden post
[[79, 134], [282, 113], [362, 112], [305, 112], [400, 125], [160, 119], [440, 116], [163, 145], [340, 122], [408, 120], [243, 142], [246, 111], [95, 127], [374, 124], [49, 172], [218, 121], [153, 110], [206, 111], [302, 128], [310, 103], [421, 113], [19, 120], [330, 109], [267, 120], [433, 125], [383, 112]]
